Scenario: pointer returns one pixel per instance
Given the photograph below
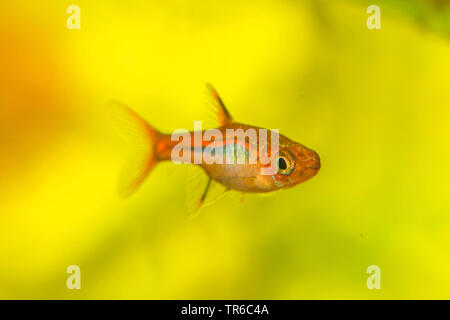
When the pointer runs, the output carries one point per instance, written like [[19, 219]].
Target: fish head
[[295, 164]]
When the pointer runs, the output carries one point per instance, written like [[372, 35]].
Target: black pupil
[[282, 164]]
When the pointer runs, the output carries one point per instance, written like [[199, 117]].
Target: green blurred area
[[373, 103]]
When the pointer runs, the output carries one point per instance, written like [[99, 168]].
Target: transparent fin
[[264, 194], [201, 190], [215, 113], [237, 197], [242, 198], [140, 138]]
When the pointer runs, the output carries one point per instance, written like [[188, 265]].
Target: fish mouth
[[307, 174], [313, 163], [311, 169]]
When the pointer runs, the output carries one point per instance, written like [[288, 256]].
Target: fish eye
[[284, 166], [282, 163]]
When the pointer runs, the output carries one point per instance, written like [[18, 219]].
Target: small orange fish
[[294, 162]]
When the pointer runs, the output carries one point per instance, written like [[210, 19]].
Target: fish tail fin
[[141, 138]]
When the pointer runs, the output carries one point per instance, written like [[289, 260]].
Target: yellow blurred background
[[375, 105]]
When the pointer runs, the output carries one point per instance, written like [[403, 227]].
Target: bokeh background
[[374, 104]]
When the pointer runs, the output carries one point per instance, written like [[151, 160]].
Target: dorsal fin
[[223, 115]]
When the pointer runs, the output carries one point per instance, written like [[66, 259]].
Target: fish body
[[295, 163], [247, 177]]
